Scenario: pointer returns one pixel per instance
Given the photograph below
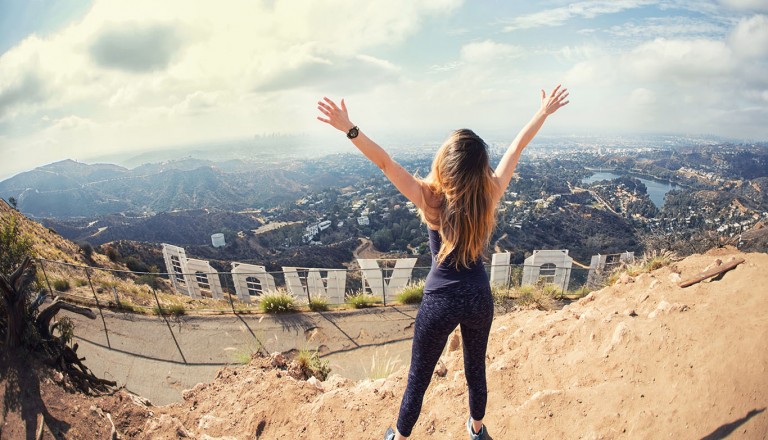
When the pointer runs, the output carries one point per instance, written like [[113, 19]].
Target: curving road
[[157, 364]]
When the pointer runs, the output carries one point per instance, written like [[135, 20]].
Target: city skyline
[[83, 79]]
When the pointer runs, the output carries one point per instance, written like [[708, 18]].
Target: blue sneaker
[[472, 436], [390, 434]]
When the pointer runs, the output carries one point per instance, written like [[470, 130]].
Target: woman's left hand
[[337, 117]]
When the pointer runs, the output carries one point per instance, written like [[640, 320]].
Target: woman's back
[[444, 276]]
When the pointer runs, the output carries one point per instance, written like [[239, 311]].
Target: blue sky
[[81, 79]]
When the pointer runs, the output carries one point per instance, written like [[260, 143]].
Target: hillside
[[643, 358], [69, 189]]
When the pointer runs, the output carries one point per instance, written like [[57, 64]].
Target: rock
[[630, 312], [335, 381], [661, 308], [624, 278], [441, 370], [316, 383], [674, 277], [162, 426], [590, 297], [619, 334], [277, 360]]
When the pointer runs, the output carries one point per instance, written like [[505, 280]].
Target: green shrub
[[318, 304], [310, 364], [150, 280], [80, 282], [278, 301], [580, 292], [412, 293], [657, 259], [61, 285], [172, 310], [362, 300], [534, 297], [501, 296], [380, 368]]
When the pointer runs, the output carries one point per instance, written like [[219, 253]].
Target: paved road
[[158, 359]]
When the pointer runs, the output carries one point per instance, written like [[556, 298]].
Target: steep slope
[[641, 359]]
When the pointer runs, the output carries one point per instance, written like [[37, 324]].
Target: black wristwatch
[[353, 132]]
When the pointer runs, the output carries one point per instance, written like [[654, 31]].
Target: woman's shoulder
[[432, 202]]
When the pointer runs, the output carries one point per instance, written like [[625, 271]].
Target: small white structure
[[363, 220], [218, 240], [250, 279], [600, 265], [373, 276], [500, 269], [330, 286], [548, 267]]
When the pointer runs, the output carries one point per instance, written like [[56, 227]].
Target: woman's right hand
[[555, 100]]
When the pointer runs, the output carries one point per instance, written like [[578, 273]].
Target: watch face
[[352, 133]]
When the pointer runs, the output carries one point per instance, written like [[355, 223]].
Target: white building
[[218, 240]]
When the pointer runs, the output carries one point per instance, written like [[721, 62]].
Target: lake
[[657, 189]]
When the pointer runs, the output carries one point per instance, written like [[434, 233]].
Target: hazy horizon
[[83, 79]]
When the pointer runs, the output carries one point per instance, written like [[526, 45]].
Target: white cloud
[[750, 37], [489, 51], [585, 9], [143, 72], [681, 61], [755, 5]]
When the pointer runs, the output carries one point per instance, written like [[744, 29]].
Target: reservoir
[[657, 189]]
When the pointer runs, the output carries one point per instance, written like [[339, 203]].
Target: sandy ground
[[641, 359]]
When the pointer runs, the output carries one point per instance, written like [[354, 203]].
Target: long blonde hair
[[461, 177]]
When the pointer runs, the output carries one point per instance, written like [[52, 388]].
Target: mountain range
[[70, 189]]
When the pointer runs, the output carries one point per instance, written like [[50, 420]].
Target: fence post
[[383, 287], [42, 266], [160, 310], [98, 306]]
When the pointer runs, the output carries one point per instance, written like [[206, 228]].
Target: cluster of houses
[[382, 278]]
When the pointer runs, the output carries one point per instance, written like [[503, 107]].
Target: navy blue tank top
[[445, 278]]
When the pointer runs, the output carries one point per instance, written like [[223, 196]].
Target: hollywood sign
[[191, 276]]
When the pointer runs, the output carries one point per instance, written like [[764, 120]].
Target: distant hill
[[68, 189], [182, 228]]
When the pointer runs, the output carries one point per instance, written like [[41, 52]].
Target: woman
[[457, 201]]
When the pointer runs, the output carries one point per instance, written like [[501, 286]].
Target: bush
[[148, 279], [136, 265], [533, 297], [310, 364], [14, 246], [86, 248], [61, 285], [380, 368], [172, 310], [412, 293], [362, 300], [278, 301], [318, 304]]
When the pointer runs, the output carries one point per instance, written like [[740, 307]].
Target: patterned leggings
[[470, 307]]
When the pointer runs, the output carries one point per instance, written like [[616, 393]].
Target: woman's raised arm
[[549, 105], [338, 118]]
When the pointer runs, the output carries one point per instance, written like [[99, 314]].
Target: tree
[[14, 246], [12, 201]]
